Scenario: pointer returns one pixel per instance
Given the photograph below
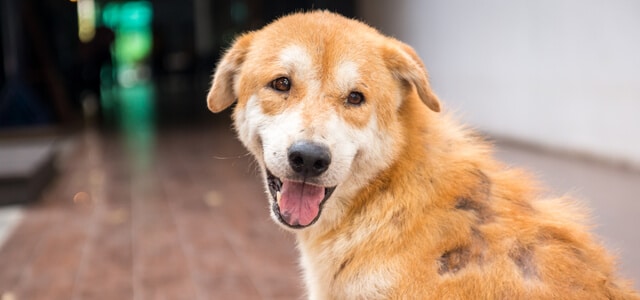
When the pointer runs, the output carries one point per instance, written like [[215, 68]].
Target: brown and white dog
[[388, 198]]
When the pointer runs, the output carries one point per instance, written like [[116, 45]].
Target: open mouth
[[297, 204]]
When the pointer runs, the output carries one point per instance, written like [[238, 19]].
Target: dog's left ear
[[405, 65], [222, 93]]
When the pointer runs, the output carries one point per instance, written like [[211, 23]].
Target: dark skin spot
[[478, 244], [477, 200], [384, 187], [342, 266], [398, 217], [523, 257], [480, 209], [454, 260], [465, 203]]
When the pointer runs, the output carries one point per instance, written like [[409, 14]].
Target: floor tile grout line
[[137, 267], [87, 248], [96, 183]]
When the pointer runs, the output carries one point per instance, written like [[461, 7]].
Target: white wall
[[560, 73]]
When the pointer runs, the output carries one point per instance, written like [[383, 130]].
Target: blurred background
[[117, 183]]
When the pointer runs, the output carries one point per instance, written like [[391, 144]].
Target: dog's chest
[[344, 269]]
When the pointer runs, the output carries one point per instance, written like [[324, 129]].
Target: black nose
[[309, 159]]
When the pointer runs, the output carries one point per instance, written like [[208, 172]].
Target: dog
[[388, 197]]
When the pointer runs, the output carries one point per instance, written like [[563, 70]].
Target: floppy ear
[[405, 65], [222, 93]]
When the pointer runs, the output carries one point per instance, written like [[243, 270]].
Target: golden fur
[[429, 214]]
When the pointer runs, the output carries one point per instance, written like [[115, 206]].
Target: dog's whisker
[[232, 157]]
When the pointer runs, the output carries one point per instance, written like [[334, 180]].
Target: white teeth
[[278, 197]]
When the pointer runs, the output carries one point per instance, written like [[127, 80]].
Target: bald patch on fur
[[523, 257], [454, 260], [477, 200]]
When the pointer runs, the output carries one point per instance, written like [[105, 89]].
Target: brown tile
[[58, 255], [106, 269], [160, 265], [18, 251], [268, 252], [47, 287], [192, 223], [214, 266]]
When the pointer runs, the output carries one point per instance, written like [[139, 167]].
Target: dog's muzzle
[[299, 199]]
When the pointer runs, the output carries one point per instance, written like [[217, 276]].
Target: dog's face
[[318, 103]]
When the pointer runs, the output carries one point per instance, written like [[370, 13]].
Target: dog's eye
[[281, 84], [355, 98]]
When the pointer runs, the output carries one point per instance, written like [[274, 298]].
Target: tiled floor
[[179, 213]]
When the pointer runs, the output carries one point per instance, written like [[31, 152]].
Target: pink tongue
[[300, 203]]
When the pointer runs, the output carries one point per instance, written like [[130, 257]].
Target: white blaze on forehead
[[296, 59], [346, 75]]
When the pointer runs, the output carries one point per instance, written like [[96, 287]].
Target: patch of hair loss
[[398, 218], [524, 259], [477, 200], [482, 210], [454, 260]]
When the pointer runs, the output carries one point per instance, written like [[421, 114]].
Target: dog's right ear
[[222, 93]]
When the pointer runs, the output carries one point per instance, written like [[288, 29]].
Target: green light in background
[[131, 22], [137, 116], [132, 46], [136, 15], [110, 15], [130, 101]]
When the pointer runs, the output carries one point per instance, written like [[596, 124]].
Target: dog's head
[[318, 101]]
